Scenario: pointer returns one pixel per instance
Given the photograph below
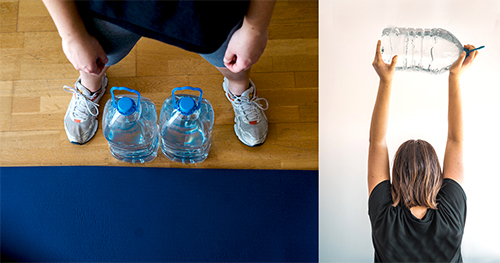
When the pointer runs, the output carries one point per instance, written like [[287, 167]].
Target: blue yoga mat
[[158, 215]]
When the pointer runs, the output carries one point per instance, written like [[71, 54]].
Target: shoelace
[[82, 103], [247, 107]]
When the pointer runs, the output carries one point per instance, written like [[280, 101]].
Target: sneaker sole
[[255, 145], [74, 141]]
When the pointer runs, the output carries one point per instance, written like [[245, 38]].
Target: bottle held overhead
[[422, 50], [130, 127], [186, 124]]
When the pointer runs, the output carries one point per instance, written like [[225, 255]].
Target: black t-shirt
[[398, 236], [198, 26]]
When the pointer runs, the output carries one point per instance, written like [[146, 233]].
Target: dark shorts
[[117, 42]]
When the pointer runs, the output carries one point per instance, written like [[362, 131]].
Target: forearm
[[66, 18], [259, 15], [380, 116], [455, 123]]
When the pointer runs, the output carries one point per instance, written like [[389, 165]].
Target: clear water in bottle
[[130, 127], [424, 50], [186, 123]]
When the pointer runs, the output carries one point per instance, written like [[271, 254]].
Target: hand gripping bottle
[[425, 50], [186, 123], [130, 127]]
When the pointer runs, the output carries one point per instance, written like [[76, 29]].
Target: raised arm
[[248, 43], [453, 167], [378, 155], [81, 49]]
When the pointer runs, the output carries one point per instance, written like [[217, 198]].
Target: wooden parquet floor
[[34, 69]]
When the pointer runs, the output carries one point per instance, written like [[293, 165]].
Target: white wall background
[[349, 30]]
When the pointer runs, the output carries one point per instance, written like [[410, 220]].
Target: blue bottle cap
[[126, 106], [187, 105]]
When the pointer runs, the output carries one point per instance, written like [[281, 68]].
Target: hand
[[384, 71], [85, 53], [245, 48], [463, 63]]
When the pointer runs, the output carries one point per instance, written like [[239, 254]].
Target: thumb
[[93, 67], [394, 62], [101, 64], [103, 58], [234, 67], [229, 57], [462, 56]]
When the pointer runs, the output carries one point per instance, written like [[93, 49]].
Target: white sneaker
[[251, 122], [80, 121]]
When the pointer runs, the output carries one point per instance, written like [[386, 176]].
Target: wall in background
[[349, 31]]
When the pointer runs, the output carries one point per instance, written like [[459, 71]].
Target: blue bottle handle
[[468, 51], [190, 88], [126, 89]]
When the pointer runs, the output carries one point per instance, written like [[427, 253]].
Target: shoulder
[[452, 201], [380, 188], [380, 198], [452, 189]]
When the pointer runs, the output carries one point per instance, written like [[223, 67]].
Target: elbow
[[456, 139], [376, 141]]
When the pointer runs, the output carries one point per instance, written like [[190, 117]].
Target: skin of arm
[[453, 167], [81, 49], [378, 156], [248, 43]]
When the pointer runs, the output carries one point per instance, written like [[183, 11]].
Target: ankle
[[91, 86], [237, 88], [92, 83]]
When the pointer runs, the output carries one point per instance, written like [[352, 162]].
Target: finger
[[235, 68], [229, 66], [394, 62], [229, 57], [97, 71], [238, 67], [475, 53], [462, 57], [230, 63], [229, 60], [100, 66], [104, 59], [84, 69], [471, 57], [469, 47], [377, 52], [93, 67]]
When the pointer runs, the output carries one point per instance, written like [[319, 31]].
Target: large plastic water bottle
[[186, 123], [425, 50], [130, 127]]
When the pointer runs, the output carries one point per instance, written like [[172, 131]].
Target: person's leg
[[238, 82], [80, 121], [116, 42], [250, 120], [92, 82]]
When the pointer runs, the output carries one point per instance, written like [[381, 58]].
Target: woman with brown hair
[[420, 217]]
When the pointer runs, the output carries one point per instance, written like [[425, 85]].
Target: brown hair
[[416, 175]]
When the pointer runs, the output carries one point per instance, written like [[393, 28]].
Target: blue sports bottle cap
[[186, 105], [126, 106]]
